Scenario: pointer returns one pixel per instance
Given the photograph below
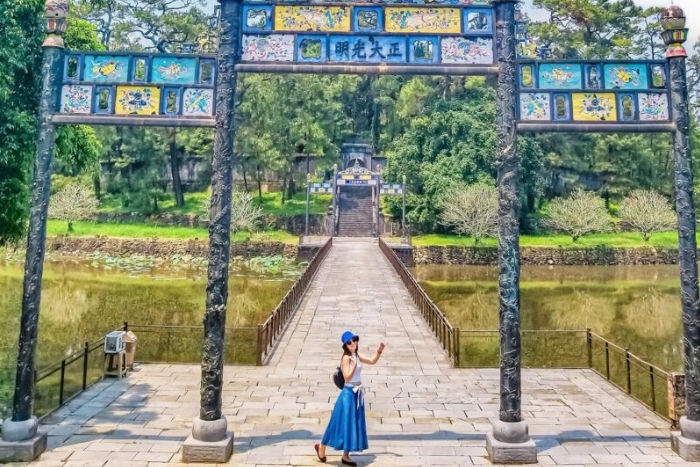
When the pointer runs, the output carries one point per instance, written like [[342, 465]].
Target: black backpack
[[338, 378]]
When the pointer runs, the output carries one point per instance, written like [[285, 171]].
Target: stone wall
[[162, 248], [488, 256]]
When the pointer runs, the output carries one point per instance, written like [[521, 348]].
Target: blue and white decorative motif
[[535, 106], [198, 102], [311, 48], [76, 99], [626, 76], [272, 48], [105, 68], [257, 18], [367, 49], [478, 21], [560, 76], [423, 49], [174, 70], [366, 19], [459, 50], [653, 107]]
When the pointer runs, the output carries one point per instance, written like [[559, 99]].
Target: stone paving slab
[[420, 410]]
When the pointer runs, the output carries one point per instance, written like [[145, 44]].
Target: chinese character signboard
[[586, 92], [458, 32]]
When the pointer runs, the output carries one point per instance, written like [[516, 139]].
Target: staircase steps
[[355, 212]]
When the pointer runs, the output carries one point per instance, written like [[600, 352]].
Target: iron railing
[[162, 343], [446, 334], [270, 331], [580, 349], [61, 382]]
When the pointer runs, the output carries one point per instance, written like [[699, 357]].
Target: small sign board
[[391, 189], [350, 179], [320, 188]]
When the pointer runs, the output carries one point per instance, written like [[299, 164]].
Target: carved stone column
[[210, 441], [21, 440], [509, 442], [686, 443]]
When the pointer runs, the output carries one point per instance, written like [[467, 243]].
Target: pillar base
[[209, 442], [510, 443], [21, 441], [686, 443]]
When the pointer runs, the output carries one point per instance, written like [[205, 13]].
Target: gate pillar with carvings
[[510, 441], [687, 442], [210, 440]]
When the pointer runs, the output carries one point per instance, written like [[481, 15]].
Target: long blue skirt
[[347, 430]]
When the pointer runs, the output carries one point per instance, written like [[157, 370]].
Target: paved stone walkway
[[420, 410]]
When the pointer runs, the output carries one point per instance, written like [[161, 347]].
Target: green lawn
[[90, 229], [271, 204], [625, 239]]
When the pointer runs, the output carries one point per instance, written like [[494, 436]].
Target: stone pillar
[[210, 441], [21, 440], [687, 442], [510, 442]]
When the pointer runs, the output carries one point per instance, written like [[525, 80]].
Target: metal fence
[[271, 330], [61, 382], [447, 335]]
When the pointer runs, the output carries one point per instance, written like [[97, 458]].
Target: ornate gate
[[447, 37]]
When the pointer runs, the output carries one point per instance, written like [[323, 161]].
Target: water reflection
[[82, 301], [636, 307]]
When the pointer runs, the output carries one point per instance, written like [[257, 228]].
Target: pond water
[[84, 299], [636, 307]]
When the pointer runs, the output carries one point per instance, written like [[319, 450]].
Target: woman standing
[[347, 430]]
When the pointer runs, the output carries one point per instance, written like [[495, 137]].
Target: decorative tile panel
[[560, 76], [76, 99], [593, 107], [270, 48], [653, 107], [106, 69], [137, 100], [535, 106], [173, 70], [312, 18], [423, 20], [198, 102], [459, 50]]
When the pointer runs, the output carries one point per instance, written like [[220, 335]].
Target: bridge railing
[[271, 330], [447, 335]]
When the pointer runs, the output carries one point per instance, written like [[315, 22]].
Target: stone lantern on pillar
[[687, 442]]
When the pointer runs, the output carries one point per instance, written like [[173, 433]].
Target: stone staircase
[[355, 211]]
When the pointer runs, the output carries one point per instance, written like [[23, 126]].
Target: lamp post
[[21, 440], [210, 441], [308, 193], [509, 442], [403, 209], [687, 443]]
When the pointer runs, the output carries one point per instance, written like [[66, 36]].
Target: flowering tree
[[245, 214], [73, 203], [581, 213], [647, 212], [471, 210]]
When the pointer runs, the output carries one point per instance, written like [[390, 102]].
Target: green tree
[[21, 34]]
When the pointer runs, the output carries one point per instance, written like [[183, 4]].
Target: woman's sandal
[[350, 463], [322, 459]]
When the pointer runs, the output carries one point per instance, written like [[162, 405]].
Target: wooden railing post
[[85, 364], [589, 346], [259, 356]]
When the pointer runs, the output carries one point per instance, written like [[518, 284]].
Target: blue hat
[[347, 337]]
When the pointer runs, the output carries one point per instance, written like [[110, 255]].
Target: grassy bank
[[619, 240], [270, 203], [91, 229]]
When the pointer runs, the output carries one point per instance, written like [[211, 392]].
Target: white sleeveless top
[[357, 376]]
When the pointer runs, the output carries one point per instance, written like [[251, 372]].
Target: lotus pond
[[82, 299]]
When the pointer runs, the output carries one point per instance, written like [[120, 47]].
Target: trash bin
[[130, 341]]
